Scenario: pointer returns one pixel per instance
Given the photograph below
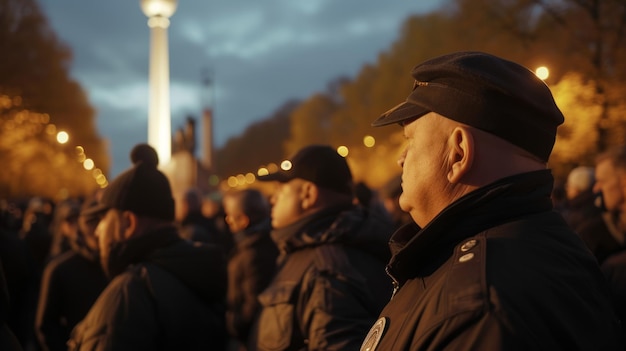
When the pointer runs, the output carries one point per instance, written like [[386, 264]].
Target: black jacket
[[8, 340], [70, 285], [599, 234], [496, 270], [170, 297], [250, 269], [330, 284]]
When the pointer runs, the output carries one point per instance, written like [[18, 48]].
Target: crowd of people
[[467, 249]]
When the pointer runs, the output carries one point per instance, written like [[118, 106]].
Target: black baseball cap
[[487, 92], [319, 164]]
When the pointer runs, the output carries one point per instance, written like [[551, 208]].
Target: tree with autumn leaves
[[581, 41], [37, 95]]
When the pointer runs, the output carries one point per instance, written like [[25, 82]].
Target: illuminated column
[[159, 114]]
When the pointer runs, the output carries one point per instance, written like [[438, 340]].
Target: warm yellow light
[[250, 178], [101, 179], [51, 129], [241, 179], [369, 141], [232, 181], [62, 137], [164, 8], [542, 72], [343, 151], [88, 164], [262, 171], [272, 167], [286, 165], [97, 172], [80, 150]]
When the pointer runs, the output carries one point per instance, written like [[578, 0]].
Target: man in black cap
[[166, 293], [330, 282], [487, 265]]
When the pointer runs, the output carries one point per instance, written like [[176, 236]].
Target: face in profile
[[287, 203], [611, 183], [110, 233], [235, 218], [423, 177], [87, 226]]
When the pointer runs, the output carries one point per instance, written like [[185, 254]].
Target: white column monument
[[159, 114]]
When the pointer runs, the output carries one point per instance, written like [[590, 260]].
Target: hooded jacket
[[496, 270], [169, 297], [330, 283]]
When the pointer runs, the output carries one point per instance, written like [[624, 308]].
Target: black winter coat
[[250, 269], [496, 270], [70, 285], [171, 297], [330, 284], [600, 235]]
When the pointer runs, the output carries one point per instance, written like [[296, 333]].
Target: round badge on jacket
[[374, 335]]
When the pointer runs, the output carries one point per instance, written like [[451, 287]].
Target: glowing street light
[[542, 72], [369, 141], [88, 164], [343, 151], [63, 137], [286, 165]]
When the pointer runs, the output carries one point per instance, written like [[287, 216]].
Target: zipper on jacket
[[396, 285]]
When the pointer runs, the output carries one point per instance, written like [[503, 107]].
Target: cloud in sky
[[262, 53]]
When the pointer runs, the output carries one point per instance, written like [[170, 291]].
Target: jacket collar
[[137, 249], [421, 251]]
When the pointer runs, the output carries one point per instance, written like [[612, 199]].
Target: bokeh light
[[88, 164], [369, 141], [542, 72], [343, 151], [63, 137]]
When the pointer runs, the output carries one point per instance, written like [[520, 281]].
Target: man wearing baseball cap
[[330, 282], [488, 265], [165, 293]]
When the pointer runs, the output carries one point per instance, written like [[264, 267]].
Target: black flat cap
[[486, 92]]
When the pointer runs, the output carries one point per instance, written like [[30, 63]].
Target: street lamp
[[159, 114], [542, 72], [62, 137]]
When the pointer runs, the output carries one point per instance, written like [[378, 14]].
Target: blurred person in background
[[36, 234], [166, 293], [580, 204], [19, 274], [390, 196], [64, 221], [8, 340], [252, 263], [71, 281], [330, 282], [195, 226], [605, 234]]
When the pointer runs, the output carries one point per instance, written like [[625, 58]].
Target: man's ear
[[245, 221], [309, 194], [461, 153], [129, 221]]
